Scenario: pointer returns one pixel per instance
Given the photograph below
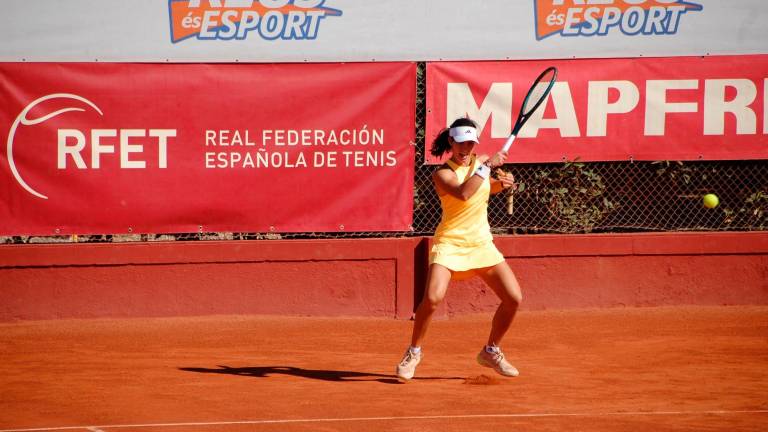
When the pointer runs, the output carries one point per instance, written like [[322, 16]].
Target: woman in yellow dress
[[463, 244]]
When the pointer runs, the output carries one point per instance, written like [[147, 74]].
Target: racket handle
[[510, 200], [508, 144]]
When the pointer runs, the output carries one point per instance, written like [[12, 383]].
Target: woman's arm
[[446, 182]]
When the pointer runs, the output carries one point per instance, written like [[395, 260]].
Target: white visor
[[463, 133]]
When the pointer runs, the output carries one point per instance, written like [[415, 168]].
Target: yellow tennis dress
[[463, 241]]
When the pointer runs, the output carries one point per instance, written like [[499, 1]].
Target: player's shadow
[[318, 374]]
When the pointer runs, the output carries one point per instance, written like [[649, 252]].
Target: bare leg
[[502, 281], [437, 286]]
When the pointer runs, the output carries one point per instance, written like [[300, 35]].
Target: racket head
[[536, 95], [539, 91]]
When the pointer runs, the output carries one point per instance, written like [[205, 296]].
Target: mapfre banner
[[151, 148], [684, 108]]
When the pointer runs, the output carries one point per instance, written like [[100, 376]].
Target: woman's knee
[[437, 286], [515, 298], [504, 283], [432, 301], [512, 298]]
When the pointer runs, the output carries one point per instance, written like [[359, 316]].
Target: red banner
[[154, 148], [682, 108]]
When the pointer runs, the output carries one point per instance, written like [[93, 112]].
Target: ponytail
[[441, 144]]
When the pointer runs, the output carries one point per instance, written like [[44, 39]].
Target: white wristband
[[483, 171]]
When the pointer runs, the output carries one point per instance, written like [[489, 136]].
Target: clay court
[[620, 369], [219, 216]]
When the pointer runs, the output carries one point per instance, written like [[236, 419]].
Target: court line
[[364, 419]]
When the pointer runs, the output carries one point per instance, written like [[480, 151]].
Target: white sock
[[415, 350], [492, 349]]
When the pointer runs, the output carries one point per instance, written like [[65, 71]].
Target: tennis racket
[[537, 94]]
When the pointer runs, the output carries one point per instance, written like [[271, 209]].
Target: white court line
[[363, 419]]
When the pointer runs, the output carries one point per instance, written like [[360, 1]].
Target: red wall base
[[325, 277], [373, 277]]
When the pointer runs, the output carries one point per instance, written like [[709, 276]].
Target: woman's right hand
[[497, 160]]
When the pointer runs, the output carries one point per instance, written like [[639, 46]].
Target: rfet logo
[[239, 19], [601, 17], [84, 149]]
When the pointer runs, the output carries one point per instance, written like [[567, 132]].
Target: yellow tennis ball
[[710, 200]]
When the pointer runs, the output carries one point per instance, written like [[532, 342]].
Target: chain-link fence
[[568, 197], [621, 197]]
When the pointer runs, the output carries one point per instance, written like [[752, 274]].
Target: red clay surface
[[659, 369]]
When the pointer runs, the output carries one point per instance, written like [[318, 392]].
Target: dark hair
[[442, 142]]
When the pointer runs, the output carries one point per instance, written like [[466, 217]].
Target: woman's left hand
[[507, 180]]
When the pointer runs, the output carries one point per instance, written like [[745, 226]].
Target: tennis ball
[[710, 200]]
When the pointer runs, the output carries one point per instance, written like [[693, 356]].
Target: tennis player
[[463, 244]]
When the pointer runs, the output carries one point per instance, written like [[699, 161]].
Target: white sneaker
[[495, 360], [407, 366]]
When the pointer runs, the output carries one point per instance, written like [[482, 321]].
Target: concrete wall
[[373, 277], [597, 271]]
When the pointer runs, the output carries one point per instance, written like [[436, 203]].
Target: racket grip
[[510, 201], [508, 144]]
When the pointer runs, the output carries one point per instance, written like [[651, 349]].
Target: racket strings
[[538, 92]]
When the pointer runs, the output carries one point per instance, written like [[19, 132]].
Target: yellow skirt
[[463, 261]]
